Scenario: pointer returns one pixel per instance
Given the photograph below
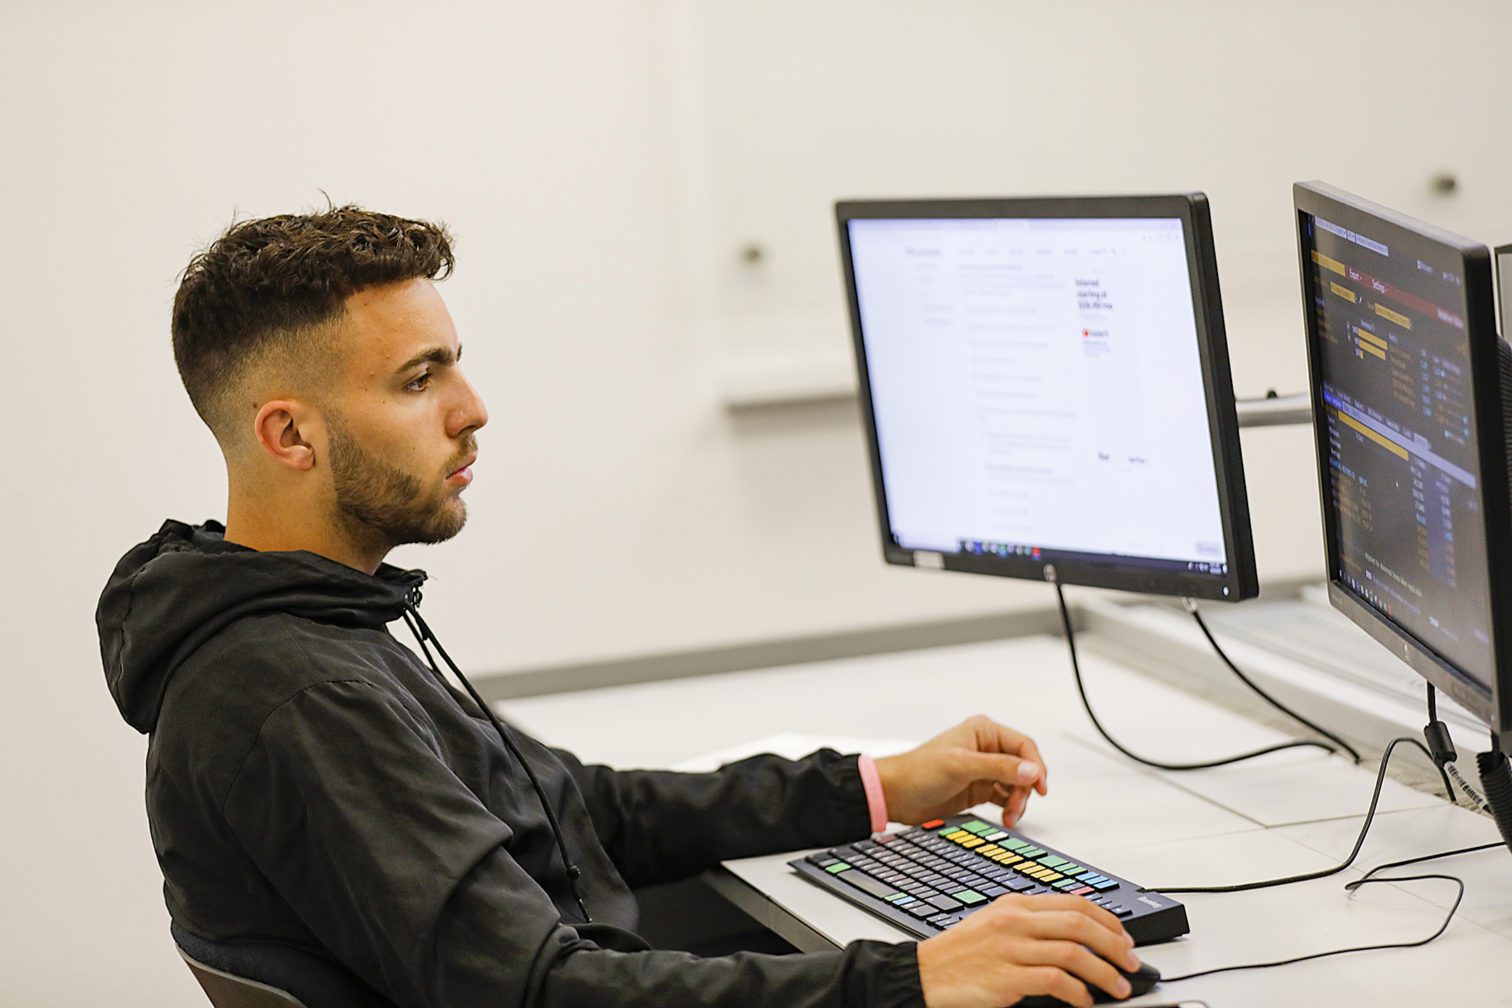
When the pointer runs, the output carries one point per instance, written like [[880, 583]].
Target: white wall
[[601, 163]]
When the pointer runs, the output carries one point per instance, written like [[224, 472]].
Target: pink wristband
[[876, 801]]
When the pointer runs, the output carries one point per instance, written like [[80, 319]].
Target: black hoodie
[[310, 782]]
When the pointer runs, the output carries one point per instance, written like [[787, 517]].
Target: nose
[[469, 413]]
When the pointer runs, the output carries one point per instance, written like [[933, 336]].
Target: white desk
[[1287, 813]]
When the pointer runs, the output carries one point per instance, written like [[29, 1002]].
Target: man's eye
[[419, 382]]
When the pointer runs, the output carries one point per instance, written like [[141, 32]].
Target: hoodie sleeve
[[660, 826], [398, 869]]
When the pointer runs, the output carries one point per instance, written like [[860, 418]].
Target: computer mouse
[[1142, 980]]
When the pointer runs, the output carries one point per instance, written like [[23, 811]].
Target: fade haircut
[[272, 287]]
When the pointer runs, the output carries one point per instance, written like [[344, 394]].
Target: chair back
[[266, 975], [226, 990]]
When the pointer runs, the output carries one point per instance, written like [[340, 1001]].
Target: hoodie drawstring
[[423, 634]]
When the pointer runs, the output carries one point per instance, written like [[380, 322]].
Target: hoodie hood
[[170, 594]]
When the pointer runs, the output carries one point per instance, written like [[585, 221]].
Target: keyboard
[[926, 878]]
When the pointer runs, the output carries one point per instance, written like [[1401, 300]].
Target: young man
[[312, 783]]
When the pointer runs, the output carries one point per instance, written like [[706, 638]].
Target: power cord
[[1065, 614], [1191, 607]]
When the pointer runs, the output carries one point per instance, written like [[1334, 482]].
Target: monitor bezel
[[1321, 200], [1501, 279], [1241, 581]]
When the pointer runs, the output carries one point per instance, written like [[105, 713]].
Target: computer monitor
[[1407, 379], [1046, 390]]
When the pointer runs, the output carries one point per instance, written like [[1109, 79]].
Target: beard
[[380, 503]]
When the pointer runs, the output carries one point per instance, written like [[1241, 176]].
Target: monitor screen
[[1048, 392], [1412, 464]]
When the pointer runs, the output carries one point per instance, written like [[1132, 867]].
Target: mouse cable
[[1375, 798], [1191, 607], [1350, 887], [1065, 614]]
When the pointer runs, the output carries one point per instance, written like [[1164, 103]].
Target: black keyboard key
[[867, 884], [945, 903]]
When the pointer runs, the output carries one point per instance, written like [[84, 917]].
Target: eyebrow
[[431, 355]]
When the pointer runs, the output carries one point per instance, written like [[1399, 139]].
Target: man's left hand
[[977, 761]]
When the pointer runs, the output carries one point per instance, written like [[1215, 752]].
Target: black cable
[[1375, 797], [1441, 745], [1202, 625], [1434, 857], [1442, 751], [1349, 887], [1065, 614], [423, 633]]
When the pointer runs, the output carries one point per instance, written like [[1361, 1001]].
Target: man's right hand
[[1022, 945]]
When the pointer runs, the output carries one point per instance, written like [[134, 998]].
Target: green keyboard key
[[1015, 845], [970, 897], [836, 869], [1031, 851], [976, 826], [1051, 861]]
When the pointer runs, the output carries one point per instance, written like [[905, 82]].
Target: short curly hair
[[274, 284]]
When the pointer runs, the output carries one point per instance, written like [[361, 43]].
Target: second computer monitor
[[1047, 390], [1408, 398]]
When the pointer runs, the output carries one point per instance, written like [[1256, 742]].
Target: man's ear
[[287, 430]]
